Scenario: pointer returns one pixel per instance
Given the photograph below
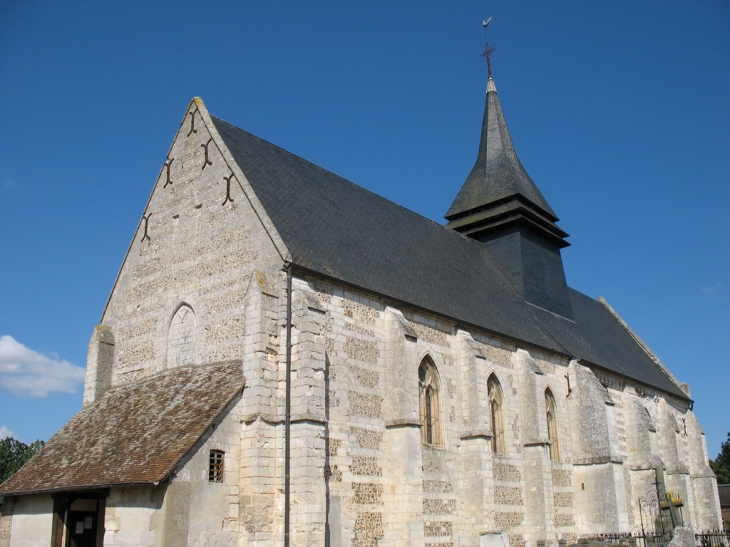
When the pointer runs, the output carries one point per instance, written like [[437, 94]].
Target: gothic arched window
[[181, 337], [496, 414], [552, 425], [429, 396]]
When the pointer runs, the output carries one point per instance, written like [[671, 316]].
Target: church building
[[287, 358]]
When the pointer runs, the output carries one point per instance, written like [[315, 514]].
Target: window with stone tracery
[[552, 425], [494, 390], [429, 398]]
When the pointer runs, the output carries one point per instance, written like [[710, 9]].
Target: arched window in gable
[[552, 425], [181, 337], [496, 412], [429, 397]]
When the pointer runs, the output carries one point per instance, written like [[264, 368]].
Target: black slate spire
[[498, 188], [500, 206]]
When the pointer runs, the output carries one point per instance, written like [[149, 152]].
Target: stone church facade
[[287, 357]]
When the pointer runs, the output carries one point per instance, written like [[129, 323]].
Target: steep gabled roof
[[342, 231], [135, 434]]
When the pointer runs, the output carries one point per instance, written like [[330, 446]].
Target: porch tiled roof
[[135, 434]]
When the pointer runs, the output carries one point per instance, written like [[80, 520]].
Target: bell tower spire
[[501, 206]]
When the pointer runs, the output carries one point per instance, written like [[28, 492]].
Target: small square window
[[215, 467]]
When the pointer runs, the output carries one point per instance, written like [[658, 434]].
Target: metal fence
[[638, 539], [713, 539], [629, 540]]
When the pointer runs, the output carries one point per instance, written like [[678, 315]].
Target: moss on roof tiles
[[135, 434]]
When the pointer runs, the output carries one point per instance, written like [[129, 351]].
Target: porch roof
[[135, 434]]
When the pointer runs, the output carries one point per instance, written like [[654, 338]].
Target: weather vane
[[487, 49]]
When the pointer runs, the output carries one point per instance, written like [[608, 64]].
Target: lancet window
[[496, 412], [552, 425], [429, 398]]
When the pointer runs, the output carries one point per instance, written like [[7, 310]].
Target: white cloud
[[712, 289], [10, 183], [26, 372], [5, 433]]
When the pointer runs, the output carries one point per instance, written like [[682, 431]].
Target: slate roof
[[497, 173], [135, 434], [342, 231], [596, 337]]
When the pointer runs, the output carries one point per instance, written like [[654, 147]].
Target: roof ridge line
[[641, 343]]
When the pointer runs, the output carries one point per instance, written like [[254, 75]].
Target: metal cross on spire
[[487, 49]]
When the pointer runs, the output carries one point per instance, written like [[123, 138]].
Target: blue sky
[[618, 110]]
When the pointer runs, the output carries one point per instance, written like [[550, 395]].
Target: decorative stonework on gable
[[199, 239]]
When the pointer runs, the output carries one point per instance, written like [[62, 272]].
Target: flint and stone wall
[[386, 488], [179, 296]]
